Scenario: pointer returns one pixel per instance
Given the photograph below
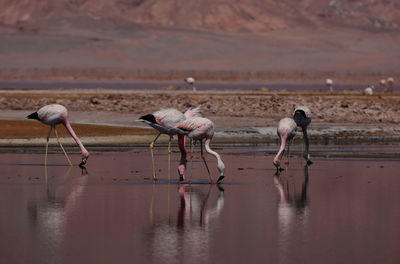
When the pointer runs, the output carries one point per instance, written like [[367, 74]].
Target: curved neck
[[281, 150], [212, 152], [67, 125]]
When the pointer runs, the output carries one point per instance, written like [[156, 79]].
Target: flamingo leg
[[169, 159], [191, 159], [205, 163], [152, 156], [47, 146], [306, 154], [59, 142]]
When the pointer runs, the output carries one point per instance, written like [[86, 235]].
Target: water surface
[[338, 210]]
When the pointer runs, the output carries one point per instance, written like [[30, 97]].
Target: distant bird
[[165, 121], [286, 131], [190, 81], [197, 129], [369, 90], [382, 83], [302, 117], [329, 84], [390, 82], [53, 115]]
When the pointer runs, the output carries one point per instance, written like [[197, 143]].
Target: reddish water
[[339, 210]]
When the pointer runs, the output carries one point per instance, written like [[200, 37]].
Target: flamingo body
[[329, 83], [369, 90], [190, 81], [302, 116], [390, 82], [198, 128], [164, 120], [53, 115]]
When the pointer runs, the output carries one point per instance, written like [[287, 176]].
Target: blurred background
[[290, 40]]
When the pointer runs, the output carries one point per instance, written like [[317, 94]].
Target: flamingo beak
[[278, 168], [181, 179], [83, 162], [220, 178]]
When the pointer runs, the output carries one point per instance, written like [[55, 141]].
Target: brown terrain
[[303, 40]]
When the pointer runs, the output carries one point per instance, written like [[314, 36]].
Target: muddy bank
[[27, 133], [105, 117]]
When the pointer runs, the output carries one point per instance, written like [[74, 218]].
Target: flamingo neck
[[277, 159], [221, 165], [67, 125]]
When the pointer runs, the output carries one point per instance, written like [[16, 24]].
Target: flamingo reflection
[[291, 204], [48, 215], [189, 234], [293, 212]]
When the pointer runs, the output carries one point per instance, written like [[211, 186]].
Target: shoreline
[[24, 133], [107, 117]]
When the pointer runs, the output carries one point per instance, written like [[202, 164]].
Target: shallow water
[[338, 210]]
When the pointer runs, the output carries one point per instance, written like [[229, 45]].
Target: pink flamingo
[[190, 81], [287, 130], [165, 121], [199, 128], [390, 82], [329, 83], [53, 115], [302, 116], [382, 83]]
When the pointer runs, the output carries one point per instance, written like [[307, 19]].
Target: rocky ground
[[246, 116]]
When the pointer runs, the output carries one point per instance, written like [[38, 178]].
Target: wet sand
[[338, 210]]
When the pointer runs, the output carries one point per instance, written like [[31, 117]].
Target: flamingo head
[[85, 156], [182, 172], [277, 164], [221, 169]]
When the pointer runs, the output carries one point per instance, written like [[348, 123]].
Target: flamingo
[[302, 117], [286, 131], [382, 83], [165, 121], [53, 115], [369, 90], [390, 82], [199, 128], [329, 83], [190, 81]]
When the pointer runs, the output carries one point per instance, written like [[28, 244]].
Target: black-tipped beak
[[180, 176], [83, 162], [220, 179]]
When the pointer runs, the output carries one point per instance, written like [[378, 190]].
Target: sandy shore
[[107, 117]]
